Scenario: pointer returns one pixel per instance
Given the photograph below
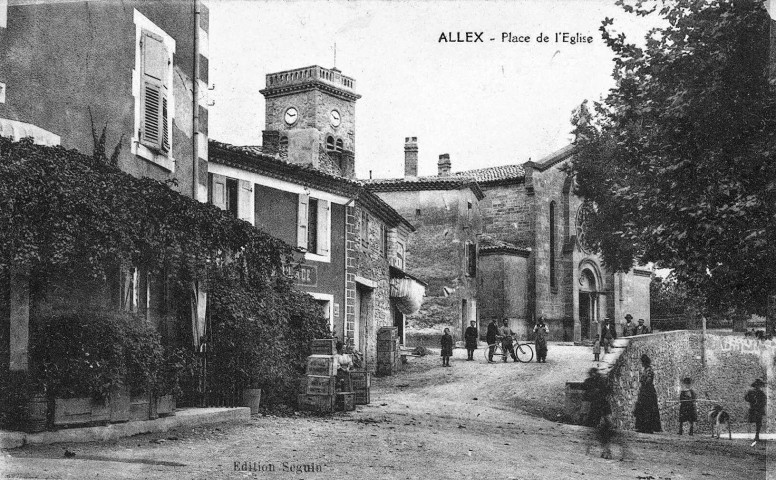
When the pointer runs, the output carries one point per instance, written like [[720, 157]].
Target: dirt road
[[429, 422]]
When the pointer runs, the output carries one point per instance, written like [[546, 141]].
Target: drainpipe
[[195, 108]]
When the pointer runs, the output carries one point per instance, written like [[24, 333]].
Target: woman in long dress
[[647, 412]]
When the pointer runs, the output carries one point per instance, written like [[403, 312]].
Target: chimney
[[411, 157], [444, 165]]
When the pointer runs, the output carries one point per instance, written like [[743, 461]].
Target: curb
[[186, 417]]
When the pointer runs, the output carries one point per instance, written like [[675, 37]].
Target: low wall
[[722, 368]]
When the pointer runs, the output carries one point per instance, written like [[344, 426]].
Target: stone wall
[[722, 368], [435, 253]]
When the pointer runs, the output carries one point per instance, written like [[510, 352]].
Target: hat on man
[[641, 320], [628, 317]]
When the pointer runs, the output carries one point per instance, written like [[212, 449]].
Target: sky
[[485, 104]]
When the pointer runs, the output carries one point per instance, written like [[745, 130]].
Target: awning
[[407, 292], [18, 130]]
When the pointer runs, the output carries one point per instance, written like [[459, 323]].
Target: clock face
[[291, 116], [334, 118]]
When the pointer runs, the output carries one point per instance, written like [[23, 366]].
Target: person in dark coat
[[540, 332], [647, 412], [608, 334], [599, 416], [471, 340], [757, 400], [629, 329], [447, 348], [490, 337], [687, 409], [642, 329]]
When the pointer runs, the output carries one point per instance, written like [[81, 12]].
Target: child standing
[[687, 410], [447, 348], [597, 348], [757, 400]]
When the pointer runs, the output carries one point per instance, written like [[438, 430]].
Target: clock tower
[[310, 118]]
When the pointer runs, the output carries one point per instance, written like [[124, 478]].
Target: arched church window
[[329, 143], [283, 143], [553, 283], [339, 145]]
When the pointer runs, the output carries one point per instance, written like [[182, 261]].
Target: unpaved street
[[429, 422]]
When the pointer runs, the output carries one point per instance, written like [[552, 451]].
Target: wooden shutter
[[245, 207], [472, 256], [324, 227], [154, 126], [218, 191], [301, 221]]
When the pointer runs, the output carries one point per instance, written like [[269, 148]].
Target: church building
[[508, 242]]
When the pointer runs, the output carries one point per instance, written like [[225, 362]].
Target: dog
[[719, 418]]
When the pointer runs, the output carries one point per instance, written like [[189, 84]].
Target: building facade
[[136, 68], [299, 186], [445, 211], [536, 261]]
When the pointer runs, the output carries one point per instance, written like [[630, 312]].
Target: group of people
[[494, 334], [609, 333], [647, 412]]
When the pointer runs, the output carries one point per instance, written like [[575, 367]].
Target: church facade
[[534, 258], [508, 242]]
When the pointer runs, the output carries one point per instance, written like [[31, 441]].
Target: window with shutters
[[314, 228], [152, 88], [400, 255]]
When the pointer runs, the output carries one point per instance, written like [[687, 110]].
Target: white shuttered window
[[154, 92]]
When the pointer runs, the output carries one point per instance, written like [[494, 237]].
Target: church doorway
[[588, 304]]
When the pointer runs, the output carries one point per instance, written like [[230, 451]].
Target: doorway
[[588, 305]]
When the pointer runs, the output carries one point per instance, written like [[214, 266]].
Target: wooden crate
[[360, 380], [388, 358], [321, 385], [345, 402], [324, 346], [321, 365], [316, 403], [361, 397], [386, 346], [387, 333]]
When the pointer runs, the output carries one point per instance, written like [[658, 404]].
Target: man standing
[[641, 329], [471, 340], [629, 329], [506, 341], [490, 337], [608, 334]]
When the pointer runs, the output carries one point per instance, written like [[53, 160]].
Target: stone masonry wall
[[722, 368], [372, 265]]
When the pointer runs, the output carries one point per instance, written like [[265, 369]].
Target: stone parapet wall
[[722, 368]]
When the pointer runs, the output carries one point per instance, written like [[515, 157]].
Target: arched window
[[339, 145], [329, 143], [553, 282], [283, 143]]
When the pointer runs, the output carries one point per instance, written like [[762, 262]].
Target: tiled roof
[[496, 175], [491, 246], [251, 159], [453, 182]]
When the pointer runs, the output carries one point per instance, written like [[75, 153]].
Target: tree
[[679, 158]]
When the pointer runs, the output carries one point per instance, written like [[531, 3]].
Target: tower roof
[[306, 78]]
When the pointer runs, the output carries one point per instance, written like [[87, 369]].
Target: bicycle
[[523, 351]]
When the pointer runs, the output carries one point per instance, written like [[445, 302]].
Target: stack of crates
[[321, 380], [361, 385], [388, 358]]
